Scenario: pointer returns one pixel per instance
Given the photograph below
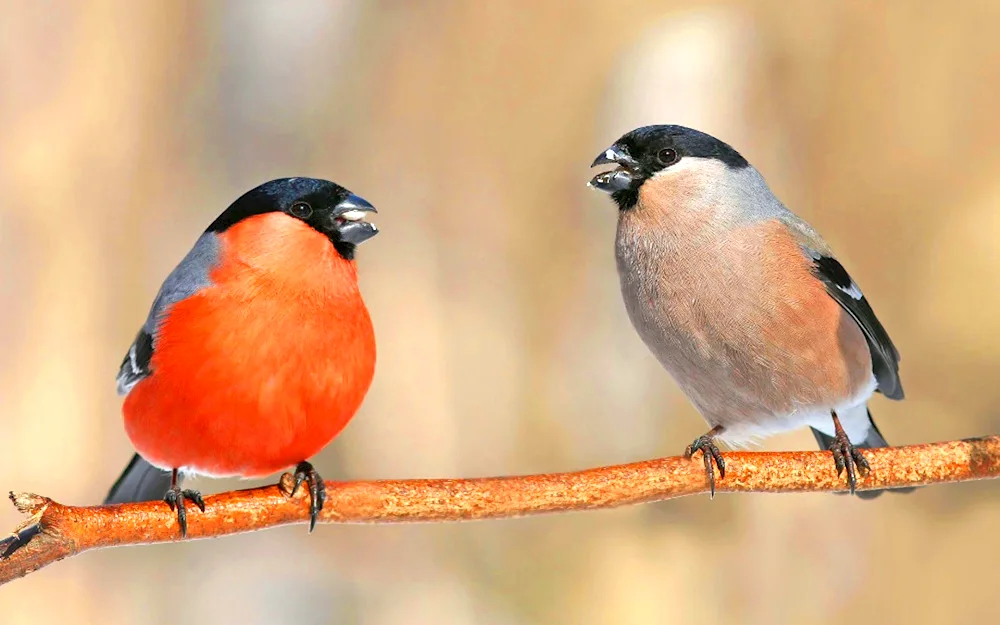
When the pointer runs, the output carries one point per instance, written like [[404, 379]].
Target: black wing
[[885, 356], [135, 366], [140, 481]]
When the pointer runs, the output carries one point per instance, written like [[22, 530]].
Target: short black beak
[[353, 203], [617, 179], [615, 155], [349, 219]]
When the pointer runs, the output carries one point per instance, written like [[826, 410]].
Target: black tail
[[874, 440], [140, 481]]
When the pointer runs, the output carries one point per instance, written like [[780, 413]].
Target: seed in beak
[[352, 216]]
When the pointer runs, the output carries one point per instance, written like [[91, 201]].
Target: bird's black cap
[[325, 206], [643, 152]]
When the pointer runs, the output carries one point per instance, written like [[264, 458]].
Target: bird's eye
[[667, 156], [302, 210]]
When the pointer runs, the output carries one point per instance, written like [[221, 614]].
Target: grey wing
[[190, 276], [843, 289]]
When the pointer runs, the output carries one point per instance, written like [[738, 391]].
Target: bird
[[257, 350], [742, 302]]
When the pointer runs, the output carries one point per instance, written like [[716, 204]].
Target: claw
[[175, 499], [838, 460], [195, 497], [847, 456], [305, 472], [710, 452], [860, 460]]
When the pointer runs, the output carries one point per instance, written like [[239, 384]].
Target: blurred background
[[126, 127]]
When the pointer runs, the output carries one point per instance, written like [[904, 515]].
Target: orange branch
[[55, 531]]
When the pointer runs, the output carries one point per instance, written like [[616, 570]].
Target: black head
[[325, 206], [645, 151]]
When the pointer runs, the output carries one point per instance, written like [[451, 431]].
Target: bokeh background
[[125, 127]]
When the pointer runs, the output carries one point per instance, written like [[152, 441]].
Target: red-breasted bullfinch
[[258, 348], [741, 301]]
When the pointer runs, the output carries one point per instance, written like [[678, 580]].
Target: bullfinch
[[258, 348], [741, 301]]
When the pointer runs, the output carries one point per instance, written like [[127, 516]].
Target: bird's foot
[[305, 472], [847, 456], [710, 452], [175, 499]]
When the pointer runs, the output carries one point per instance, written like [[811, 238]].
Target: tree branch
[[55, 531]]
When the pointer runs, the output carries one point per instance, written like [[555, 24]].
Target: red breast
[[264, 367]]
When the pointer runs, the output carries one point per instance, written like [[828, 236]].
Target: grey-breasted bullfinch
[[741, 301]]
